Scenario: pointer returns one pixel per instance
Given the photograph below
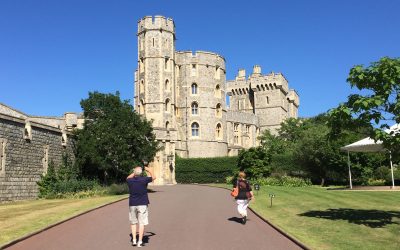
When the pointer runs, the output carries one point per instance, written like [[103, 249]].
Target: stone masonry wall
[[23, 161]]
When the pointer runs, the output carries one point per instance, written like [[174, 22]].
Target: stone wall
[[24, 161]]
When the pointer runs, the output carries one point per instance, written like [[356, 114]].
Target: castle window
[[236, 140], [141, 108], [167, 105], [177, 68], [45, 159], [194, 89], [167, 125], [195, 129], [195, 108], [141, 65], [3, 143], [167, 85], [217, 91], [217, 72], [153, 42], [141, 87], [218, 110], [248, 129], [28, 131], [194, 69], [236, 127], [267, 99], [218, 131]]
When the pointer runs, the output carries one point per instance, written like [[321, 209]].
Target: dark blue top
[[138, 190]]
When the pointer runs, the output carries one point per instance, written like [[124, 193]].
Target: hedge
[[204, 170]]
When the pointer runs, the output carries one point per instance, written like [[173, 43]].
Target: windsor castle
[[184, 94]]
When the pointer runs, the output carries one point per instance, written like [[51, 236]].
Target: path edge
[[13, 242], [294, 240]]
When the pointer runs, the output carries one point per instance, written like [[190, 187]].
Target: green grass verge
[[20, 218], [327, 219]]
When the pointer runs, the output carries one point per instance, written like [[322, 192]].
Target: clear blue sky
[[52, 53]]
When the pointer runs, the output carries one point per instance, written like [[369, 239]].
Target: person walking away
[[244, 196], [139, 201]]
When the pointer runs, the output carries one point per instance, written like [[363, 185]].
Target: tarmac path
[[180, 217]]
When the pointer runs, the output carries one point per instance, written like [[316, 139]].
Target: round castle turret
[[201, 83]]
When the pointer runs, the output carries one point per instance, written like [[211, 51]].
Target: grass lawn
[[327, 219], [23, 217]]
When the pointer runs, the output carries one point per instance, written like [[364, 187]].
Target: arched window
[[194, 69], [218, 131], [194, 89], [167, 105], [141, 65], [195, 108], [166, 63], [217, 91], [195, 129], [218, 110], [167, 85], [217, 73]]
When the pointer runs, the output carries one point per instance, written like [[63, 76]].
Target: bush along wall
[[204, 170]]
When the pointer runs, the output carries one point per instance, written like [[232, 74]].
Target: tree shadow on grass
[[369, 218]]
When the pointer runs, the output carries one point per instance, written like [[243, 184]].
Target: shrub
[[70, 188], [118, 189], [204, 170], [376, 182], [286, 181]]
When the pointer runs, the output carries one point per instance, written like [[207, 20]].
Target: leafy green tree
[[379, 104], [113, 139], [255, 162]]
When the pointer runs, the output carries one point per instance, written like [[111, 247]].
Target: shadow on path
[[369, 218], [146, 237], [236, 219]]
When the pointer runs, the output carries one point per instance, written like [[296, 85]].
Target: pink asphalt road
[[181, 217]]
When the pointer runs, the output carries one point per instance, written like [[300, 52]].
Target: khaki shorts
[[139, 214]]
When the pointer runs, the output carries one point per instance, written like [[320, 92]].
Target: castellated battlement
[[237, 87], [200, 57], [294, 97], [156, 23]]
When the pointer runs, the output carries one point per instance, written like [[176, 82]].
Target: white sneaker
[[134, 243], [139, 244]]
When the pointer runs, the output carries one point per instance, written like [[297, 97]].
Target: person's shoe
[[139, 244], [244, 220], [134, 243]]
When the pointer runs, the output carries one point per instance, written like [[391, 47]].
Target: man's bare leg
[[141, 231], [133, 228]]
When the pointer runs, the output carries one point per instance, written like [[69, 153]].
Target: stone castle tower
[[184, 94]]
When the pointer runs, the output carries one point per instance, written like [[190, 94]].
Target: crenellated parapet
[[208, 59], [160, 23]]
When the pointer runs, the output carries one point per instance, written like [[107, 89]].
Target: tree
[[113, 139], [255, 162], [378, 106]]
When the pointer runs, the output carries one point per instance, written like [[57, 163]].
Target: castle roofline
[[195, 53], [156, 17]]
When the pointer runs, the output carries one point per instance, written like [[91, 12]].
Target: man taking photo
[[139, 201]]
